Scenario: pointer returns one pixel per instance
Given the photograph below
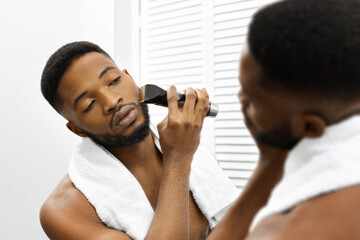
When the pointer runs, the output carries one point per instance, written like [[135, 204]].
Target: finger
[[172, 100], [202, 104], [190, 100]]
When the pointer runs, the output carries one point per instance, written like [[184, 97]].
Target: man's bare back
[[332, 216], [67, 214]]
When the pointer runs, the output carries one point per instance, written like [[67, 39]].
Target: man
[[121, 185], [301, 101]]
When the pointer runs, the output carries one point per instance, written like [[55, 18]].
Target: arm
[[179, 139], [236, 222], [171, 218]]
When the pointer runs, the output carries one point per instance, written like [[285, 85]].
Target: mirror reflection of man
[[301, 102], [121, 184]]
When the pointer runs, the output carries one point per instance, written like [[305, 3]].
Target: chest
[[199, 225]]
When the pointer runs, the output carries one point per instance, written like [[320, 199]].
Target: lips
[[125, 116]]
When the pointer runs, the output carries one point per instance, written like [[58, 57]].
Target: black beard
[[138, 135], [279, 137]]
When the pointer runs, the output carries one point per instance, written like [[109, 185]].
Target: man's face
[[103, 101], [267, 113]]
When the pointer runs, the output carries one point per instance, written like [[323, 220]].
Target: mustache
[[118, 108]]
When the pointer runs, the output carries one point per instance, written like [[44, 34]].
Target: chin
[[131, 128], [136, 135]]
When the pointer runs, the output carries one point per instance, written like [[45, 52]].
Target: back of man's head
[[57, 65], [309, 47]]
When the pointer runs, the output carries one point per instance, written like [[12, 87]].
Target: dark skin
[[333, 216], [67, 214]]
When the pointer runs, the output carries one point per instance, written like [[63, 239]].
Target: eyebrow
[[105, 70], [78, 98]]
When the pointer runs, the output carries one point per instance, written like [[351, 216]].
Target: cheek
[[253, 115], [261, 118], [96, 122], [128, 90]]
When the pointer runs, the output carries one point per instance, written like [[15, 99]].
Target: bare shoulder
[[67, 214], [333, 216], [65, 201]]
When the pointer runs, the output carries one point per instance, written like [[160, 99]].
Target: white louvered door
[[197, 43], [171, 45], [235, 149]]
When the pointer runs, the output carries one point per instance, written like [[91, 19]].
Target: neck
[[332, 111], [348, 112], [143, 155]]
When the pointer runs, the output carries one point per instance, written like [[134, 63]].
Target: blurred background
[[188, 43]]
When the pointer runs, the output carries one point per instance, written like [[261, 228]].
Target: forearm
[[236, 223], [171, 220], [179, 139]]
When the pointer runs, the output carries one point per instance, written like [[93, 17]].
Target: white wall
[[127, 37], [35, 144]]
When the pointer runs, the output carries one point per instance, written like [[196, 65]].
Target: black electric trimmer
[[155, 95]]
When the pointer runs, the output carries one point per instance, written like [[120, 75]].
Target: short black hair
[[309, 47], [57, 65]]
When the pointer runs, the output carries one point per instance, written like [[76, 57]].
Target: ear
[[309, 125], [72, 127], [126, 71]]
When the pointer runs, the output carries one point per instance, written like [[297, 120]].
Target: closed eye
[[90, 106], [115, 81]]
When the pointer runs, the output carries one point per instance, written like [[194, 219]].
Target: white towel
[[317, 166], [119, 199]]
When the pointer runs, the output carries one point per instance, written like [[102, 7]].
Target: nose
[[110, 100]]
